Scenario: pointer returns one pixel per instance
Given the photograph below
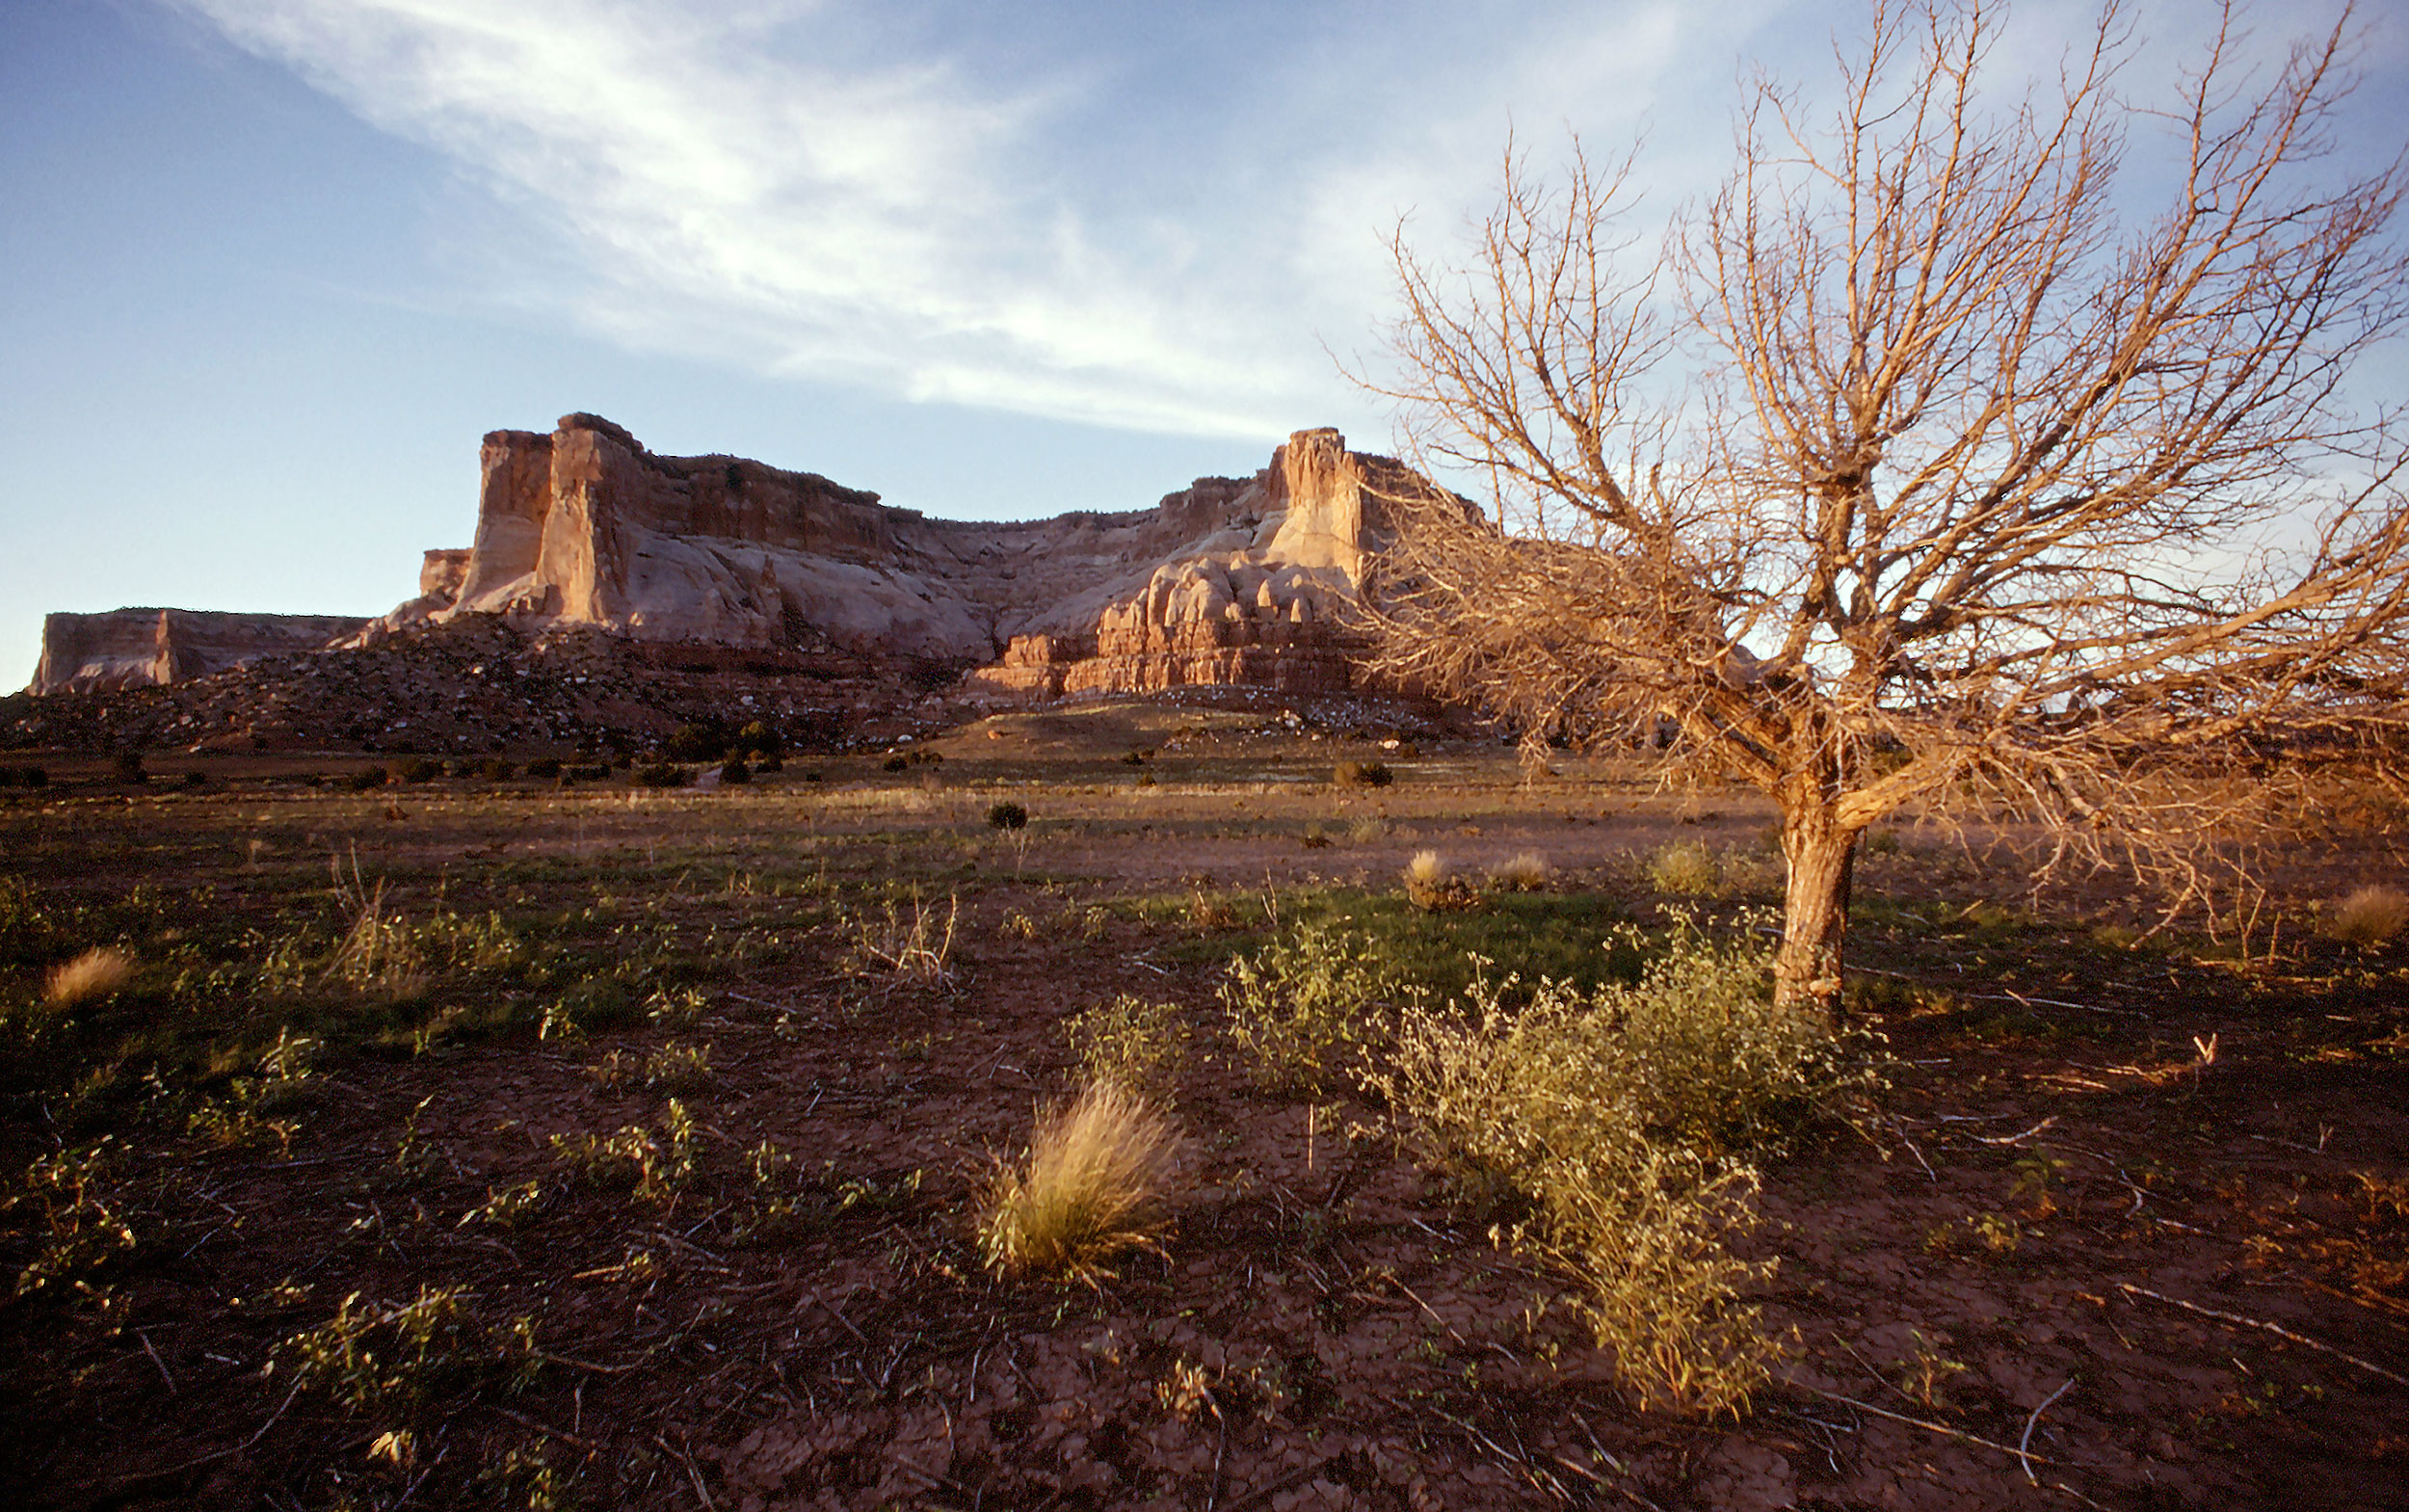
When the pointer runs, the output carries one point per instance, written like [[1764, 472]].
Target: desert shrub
[[769, 762], [126, 766], [92, 976], [544, 768], [196, 778], [393, 1358], [1132, 1043], [1362, 774], [1303, 1006], [1091, 1187], [418, 769], [736, 771], [1684, 867], [2370, 916], [493, 769], [1007, 817], [896, 763], [759, 738], [1525, 873], [23, 776], [1429, 885], [1136, 758], [703, 741], [366, 780], [662, 774]]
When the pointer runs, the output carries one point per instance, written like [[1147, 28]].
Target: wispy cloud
[[944, 200]]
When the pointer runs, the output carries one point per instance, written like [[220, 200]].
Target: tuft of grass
[[1425, 880], [1091, 1188], [1685, 868], [1525, 873], [94, 974], [2370, 916], [1132, 1043]]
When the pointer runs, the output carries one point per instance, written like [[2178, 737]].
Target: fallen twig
[[2023, 1444], [1926, 1423], [2277, 1328]]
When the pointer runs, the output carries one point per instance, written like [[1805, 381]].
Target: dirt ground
[[2128, 1229]]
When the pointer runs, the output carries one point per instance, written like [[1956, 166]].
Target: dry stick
[[2024, 1443], [2278, 1330], [1920, 1423], [525, 1421]]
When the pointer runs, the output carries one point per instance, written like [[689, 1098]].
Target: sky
[[268, 269]]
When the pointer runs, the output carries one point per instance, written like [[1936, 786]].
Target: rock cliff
[[1231, 581], [136, 647]]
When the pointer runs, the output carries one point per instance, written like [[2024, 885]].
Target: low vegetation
[[1091, 1187]]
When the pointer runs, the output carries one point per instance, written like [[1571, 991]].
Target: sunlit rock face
[[1228, 581], [121, 649], [1231, 581]]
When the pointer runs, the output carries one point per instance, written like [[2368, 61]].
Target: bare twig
[[2024, 1446], [2277, 1328]]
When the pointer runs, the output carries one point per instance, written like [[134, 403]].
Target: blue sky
[[270, 268]]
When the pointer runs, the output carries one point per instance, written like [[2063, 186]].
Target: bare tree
[[1913, 467]]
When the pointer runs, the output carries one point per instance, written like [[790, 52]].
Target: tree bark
[[1822, 862]]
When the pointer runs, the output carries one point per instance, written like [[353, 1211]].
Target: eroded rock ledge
[[1229, 582]]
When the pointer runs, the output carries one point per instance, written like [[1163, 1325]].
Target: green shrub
[[734, 771], [662, 774], [703, 741], [1132, 1043], [1624, 1118], [1304, 1006], [894, 764]]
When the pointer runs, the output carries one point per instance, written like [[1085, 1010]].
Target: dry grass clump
[[91, 975], [1091, 1187], [1525, 873], [1685, 868], [2370, 916]]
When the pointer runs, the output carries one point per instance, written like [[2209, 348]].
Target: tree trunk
[[1822, 862]]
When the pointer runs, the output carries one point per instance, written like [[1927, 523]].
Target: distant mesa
[[1231, 581]]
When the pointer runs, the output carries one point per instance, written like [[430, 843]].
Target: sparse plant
[[390, 1358], [1425, 875], [917, 952], [678, 1068], [1301, 1006], [94, 974], [1685, 868], [1138, 1045], [85, 1221], [2370, 916], [507, 1207], [658, 1166], [1090, 1188]]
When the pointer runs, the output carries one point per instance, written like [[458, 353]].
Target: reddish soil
[[2078, 1260]]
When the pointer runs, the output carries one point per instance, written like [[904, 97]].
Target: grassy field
[[466, 1142]]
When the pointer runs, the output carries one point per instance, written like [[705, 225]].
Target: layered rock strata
[[122, 648], [1231, 581]]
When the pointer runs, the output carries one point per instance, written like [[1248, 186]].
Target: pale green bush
[[1135, 1044], [1302, 1007], [1624, 1117]]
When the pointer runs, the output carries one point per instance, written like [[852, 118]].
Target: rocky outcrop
[[137, 647], [1228, 581], [1231, 581]]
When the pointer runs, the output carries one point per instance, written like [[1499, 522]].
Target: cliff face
[[1231, 580], [135, 648]]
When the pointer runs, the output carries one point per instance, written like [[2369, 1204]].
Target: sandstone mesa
[[1229, 582]]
